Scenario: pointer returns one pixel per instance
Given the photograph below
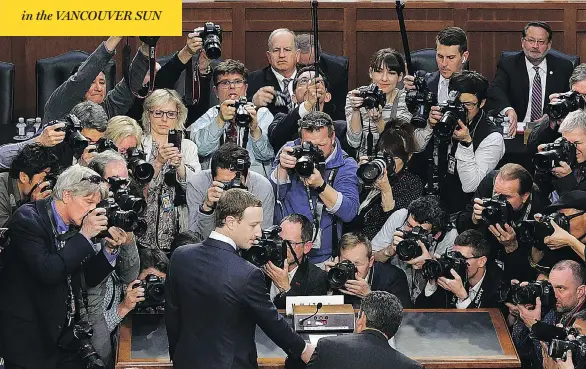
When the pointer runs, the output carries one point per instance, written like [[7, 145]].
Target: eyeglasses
[[457, 254], [225, 84], [469, 104], [306, 81], [294, 243], [159, 114], [95, 179], [532, 41]]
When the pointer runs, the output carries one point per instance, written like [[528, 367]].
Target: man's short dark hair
[[353, 239], [384, 312], [230, 66], [427, 209], [233, 203], [311, 68], [451, 36], [226, 156], [153, 258], [306, 226], [470, 82], [316, 120], [389, 58], [33, 159], [512, 171], [577, 269], [539, 24], [475, 240], [91, 115]]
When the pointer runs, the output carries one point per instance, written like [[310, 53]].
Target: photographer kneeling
[[355, 273], [43, 315], [467, 276]]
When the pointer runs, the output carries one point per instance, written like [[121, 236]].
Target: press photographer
[[29, 179], [229, 168], [42, 287], [566, 349], [234, 119], [152, 276], [411, 235], [314, 177], [467, 276], [355, 273]]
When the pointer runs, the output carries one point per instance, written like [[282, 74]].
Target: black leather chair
[[6, 92], [574, 59], [52, 72], [424, 59]]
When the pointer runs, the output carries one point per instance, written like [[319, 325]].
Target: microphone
[[547, 332], [318, 306]]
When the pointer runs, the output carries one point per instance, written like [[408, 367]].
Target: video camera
[[373, 97], [341, 273], [408, 248], [420, 101], [527, 294], [497, 210], [127, 220], [452, 111], [308, 157], [154, 291], [212, 40], [435, 268], [553, 153], [370, 172], [568, 102], [141, 170], [270, 247], [242, 117], [126, 201], [73, 136]]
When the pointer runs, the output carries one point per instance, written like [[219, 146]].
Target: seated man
[[477, 288], [524, 81], [26, 179], [370, 275], [378, 321], [425, 217], [229, 168], [298, 277], [326, 197], [218, 124]]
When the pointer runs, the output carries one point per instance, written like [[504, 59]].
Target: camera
[[127, 220], [154, 291], [242, 117], [496, 210], [373, 96], [532, 232], [433, 269], [568, 102], [270, 247], [558, 348], [553, 153], [419, 102], [370, 172], [52, 179], [73, 136], [240, 165], [104, 144], [527, 294], [141, 170], [452, 111], [342, 272], [212, 40], [308, 157], [84, 332], [409, 249], [149, 40], [122, 196]]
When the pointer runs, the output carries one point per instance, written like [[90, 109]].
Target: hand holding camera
[[279, 276], [551, 363], [454, 285], [133, 296], [557, 158], [214, 193], [528, 315], [409, 82], [315, 92], [505, 235], [94, 223], [118, 237], [477, 211], [264, 96], [434, 116], [560, 237], [52, 135], [255, 132], [194, 42], [168, 152], [315, 180], [42, 191], [356, 287], [88, 154], [227, 111], [462, 133], [355, 100], [286, 160]]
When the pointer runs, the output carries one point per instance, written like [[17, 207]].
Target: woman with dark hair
[[392, 189], [365, 124]]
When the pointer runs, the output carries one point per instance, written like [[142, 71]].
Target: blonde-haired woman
[[124, 132], [164, 110]]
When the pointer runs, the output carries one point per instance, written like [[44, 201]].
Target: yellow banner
[[90, 18]]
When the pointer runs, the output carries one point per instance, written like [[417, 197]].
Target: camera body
[[308, 157], [409, 249], [373, 96], [568, 102], [151, 41], [104, 144], [52, 179], [141, 170], [127, 220], [73, 136], [270, 247], [342, 272], [527, 295], [240, 164], [435, 268], [242, 117], [419, 102], [122, 196], [212, 40], [154, 291], [496, 210], [83, 332], [533, 232], [553, 153], [369, 172], [452, 111], [558, 348]]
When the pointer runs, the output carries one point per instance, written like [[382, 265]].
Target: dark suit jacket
[[510, 86], [367, 349], [265, 77], [308, 280], [33, 286], [213, 303], [386, 277]]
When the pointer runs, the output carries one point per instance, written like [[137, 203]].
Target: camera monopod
[[315, 47], [151, 42], [400, 5]]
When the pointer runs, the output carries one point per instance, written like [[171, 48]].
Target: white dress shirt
[[281, 77], [442, 89], [220, 237], [275, 290], [430, 288], [531, 72]]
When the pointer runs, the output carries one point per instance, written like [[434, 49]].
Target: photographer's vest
[[452, 196]]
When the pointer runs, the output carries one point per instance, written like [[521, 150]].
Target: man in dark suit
[[512, 91], [298, 277], [215, 298], [41, 281], [378, 321], [370, 275]]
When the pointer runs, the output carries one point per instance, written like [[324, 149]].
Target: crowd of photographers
[[405, 195]]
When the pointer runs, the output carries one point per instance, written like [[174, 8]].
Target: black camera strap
[[152, 67], [192, 79]]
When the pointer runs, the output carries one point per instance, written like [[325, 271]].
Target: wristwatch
[[466, 144], [205, 212], [321, 188]]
